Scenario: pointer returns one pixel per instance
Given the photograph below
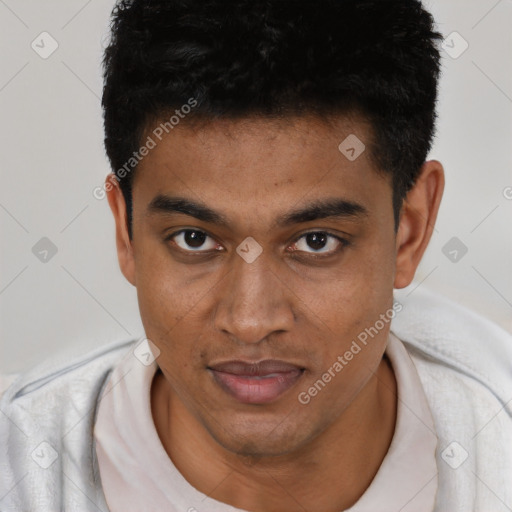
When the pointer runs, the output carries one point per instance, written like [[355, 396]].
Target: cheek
[[352, 307], [173, 304], [374, 271], [164, 292], [162, 301], [357, 292]]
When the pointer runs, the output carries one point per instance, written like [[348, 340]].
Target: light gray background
[[52, 159]]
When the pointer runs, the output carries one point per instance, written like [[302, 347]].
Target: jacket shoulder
[[46, 427], [66, 366], [444, 333]]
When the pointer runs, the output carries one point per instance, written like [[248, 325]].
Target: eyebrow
[[319, 209]]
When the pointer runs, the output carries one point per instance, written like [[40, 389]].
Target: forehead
[[262, 164]]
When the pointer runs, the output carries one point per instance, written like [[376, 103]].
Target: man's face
[[302, 300]]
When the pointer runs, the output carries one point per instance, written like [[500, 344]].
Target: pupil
[[194, 238], [316, 240]]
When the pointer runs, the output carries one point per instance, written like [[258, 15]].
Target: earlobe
[[419, 214], [123, 243]]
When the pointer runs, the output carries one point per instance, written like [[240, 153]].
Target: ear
[[123, 242], [417, 220]]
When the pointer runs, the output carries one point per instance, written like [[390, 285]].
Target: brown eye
[[320, 241], [190, 239]]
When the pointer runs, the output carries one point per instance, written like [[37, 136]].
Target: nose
[[255, 301]]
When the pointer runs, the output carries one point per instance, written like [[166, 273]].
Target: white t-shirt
[[137, 474]]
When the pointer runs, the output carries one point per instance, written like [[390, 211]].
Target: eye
[[321, 243], [192, 239]]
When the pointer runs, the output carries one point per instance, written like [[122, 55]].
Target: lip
[[256, 382]]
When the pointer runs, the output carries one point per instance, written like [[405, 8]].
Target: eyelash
[[344, 242]]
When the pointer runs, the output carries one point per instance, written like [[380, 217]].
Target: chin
[[259, 438]]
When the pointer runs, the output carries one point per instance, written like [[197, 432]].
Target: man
[[270, 192]]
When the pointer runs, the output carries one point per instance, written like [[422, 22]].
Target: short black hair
[[274, 58]]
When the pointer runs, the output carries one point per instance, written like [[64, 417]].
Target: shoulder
[[464, 362], [56, 375], [450, 342], [47, 420]]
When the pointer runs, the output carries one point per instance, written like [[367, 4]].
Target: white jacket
[[47, 454]]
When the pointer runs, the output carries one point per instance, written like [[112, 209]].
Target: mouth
[[256, 383]]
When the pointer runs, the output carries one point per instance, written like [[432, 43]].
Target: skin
[[283, 456]]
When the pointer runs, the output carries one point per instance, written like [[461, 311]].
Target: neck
[[329, 474]]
